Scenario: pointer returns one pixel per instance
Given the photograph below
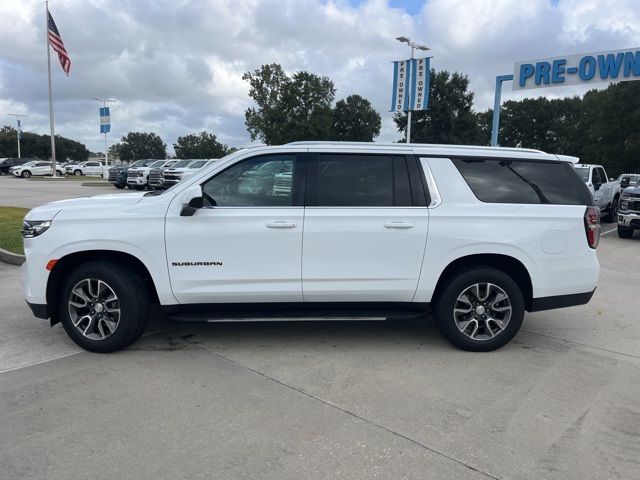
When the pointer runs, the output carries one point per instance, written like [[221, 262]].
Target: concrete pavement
[[330, 400]]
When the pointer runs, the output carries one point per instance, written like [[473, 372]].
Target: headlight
[[33, 228], [141, 174]]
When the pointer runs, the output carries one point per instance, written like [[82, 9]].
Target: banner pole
[[51, 122], [409, 112]]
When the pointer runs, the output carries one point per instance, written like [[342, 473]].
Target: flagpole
[[53, 141]]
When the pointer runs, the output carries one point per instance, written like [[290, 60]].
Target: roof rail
[[417, 145]]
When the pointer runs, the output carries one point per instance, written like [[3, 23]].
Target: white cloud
[[176, 65]]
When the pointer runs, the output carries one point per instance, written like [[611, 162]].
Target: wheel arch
[[70, 261], [505, 263]]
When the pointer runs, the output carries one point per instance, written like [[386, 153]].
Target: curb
[[11, 258], [95, 184]]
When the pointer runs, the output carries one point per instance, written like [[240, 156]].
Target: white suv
[[35, 168], [479, 235]]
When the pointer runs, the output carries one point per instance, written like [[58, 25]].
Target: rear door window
[[523, 181], [360, 180]]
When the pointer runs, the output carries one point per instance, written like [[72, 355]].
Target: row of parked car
[[618, 199], [154, 174], [30, 167]]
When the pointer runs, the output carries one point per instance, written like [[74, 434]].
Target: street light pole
[[104, 104], [413, 46], [18, 116]]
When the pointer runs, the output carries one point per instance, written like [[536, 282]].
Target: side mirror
[[596, 186], [191, 201]]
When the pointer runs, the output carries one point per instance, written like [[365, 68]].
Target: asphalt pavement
[[19, 192], [330, 400]]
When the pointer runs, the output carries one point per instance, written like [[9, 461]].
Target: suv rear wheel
[[103, 306], [480, 310]]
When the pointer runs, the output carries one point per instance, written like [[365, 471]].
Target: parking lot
[[325, 400]]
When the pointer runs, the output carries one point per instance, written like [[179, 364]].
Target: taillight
[[592, 226]]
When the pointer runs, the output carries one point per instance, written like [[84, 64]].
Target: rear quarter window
[[523, 181]]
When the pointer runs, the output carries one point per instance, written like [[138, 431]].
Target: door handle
[[398, 225], [280, 224]]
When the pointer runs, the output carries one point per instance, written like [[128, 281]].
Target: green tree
[[202, 145], [289, 108], [39, 146], [139, 145], [450, 117], [354, 119]]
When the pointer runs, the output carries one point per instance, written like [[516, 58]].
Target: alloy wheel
[[94, 309], [482, 311]]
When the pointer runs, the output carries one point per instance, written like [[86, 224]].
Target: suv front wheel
[[103, 306], [480, 310]]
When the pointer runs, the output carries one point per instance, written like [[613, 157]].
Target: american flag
[[55, 40]]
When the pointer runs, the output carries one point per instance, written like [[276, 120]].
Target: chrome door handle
[[280, 224], [399, 225]]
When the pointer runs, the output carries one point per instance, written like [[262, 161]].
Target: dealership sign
[[105, 120], [410, 85], [607, 66]]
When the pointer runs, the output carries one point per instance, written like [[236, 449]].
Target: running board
[[292, 312]]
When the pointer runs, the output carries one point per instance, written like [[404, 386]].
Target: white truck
[[138, 176], [476, 235], [85, 168], [606, 191], [181, 170]]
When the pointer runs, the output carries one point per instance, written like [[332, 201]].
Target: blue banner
[[411, 79], [105, 120]]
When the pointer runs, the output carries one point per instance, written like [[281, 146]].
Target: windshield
[[197, 164], [170, 164], [137, 163], [182, 164], [159, 163], [583, 173]]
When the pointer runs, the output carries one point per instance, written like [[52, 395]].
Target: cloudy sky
[[175, 66]]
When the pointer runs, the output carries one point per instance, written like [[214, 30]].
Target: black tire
[[447, 300], [77, 173], [133, 302], [25, 174], [612, 216], [120, 186], [59, 173], [625, 232]]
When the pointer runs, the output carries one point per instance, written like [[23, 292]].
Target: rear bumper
[[560, 301], [40, 310]]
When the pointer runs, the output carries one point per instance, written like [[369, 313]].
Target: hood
[[633, 190], [108, 201]]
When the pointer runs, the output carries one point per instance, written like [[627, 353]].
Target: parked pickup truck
[[605, 191], [138, 176], [629, 211], [475, 235], [156, 180], [181, 170], [84, 168], [118, 173]]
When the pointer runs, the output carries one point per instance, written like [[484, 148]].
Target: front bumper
[[629, 220], [136, 181]]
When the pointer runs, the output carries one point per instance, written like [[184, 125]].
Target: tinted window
[[248, 184], [517, 181], [596, 177], [603, 175], [583, 173], [355, 181]]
